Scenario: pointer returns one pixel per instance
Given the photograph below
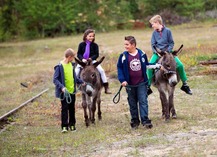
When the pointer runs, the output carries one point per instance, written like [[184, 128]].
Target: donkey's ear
[[159, 52], [156, 49], [89, 62], [98, 62], [80, 62], [176, 52]]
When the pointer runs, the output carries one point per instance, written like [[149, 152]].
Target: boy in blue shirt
[[131, 67], [65, 80], [163, 40]]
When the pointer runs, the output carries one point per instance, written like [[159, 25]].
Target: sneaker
[[72, 128], [186, 89], [149, 91], [64, 130], [147, 124]]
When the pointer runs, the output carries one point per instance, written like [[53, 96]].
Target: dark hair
[[131, 39], [88, 31]]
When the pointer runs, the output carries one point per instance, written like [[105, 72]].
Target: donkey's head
[[169, 64], [90, 75]]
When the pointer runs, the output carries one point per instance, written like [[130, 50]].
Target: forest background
[[33, 19]]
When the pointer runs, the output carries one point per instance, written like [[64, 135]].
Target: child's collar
[[161, 29]]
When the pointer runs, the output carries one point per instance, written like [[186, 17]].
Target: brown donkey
[[91, 92], [165, 80]]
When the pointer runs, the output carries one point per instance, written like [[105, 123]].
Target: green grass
[[36, 131]]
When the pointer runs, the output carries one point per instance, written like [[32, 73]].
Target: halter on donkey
[[165, 81]]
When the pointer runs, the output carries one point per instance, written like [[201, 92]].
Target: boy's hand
[[63, 89], [124, 83], [84, 60], [158, 66]]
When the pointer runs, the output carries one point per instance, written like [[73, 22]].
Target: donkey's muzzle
[[89, 90], [173, 80]]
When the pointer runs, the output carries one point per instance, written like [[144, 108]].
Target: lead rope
[[129, 86], [66, 95], [118, 94]]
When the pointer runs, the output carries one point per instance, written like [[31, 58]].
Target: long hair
[[88, 31]]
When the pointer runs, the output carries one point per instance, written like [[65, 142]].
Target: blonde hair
[[69, 52], [156, 18]]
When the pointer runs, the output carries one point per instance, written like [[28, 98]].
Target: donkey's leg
[[165, 106], [89, 104], [163, 110], [84, 105], [86, 120], [93, 110], [171, 104], [164, 103], [99, 106]]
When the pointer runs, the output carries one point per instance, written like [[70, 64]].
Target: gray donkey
[[165, 81], [91, 92]]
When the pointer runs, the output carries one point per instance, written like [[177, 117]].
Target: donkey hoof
[[174, 116], [167, 120], [87, 124], [93, 121]]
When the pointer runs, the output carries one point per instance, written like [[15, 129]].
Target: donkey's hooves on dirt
[[100, 117], [163, 116], [167, 120], [174, 116], [93, 121]]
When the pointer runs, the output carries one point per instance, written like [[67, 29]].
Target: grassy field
[[35, 130]]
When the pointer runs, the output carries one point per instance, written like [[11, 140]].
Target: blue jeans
[[137, 99]]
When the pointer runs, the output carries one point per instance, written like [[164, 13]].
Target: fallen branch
[[23, 104], [208, 62]]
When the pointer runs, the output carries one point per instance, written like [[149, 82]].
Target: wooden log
[[208, 62], [23, 104]]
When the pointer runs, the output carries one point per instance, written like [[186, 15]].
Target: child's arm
[[170, 41], [96, 52], [151, 65], [56, 77], [154, 66]]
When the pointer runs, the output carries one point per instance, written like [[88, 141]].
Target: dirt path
[[198, 139], [176, 144]]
